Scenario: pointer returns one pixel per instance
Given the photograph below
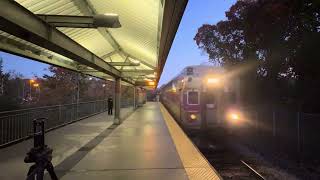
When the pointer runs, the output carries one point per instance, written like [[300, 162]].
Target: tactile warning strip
[[196, 166]]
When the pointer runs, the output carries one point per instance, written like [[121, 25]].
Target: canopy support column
[[117, 119], [134, 97]]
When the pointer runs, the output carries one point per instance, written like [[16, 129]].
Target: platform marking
[[194, 163]]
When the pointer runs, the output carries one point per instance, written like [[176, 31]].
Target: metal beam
[[14, 47], [31, 28], [135, 58], [138, 71], [87, 9], [109, 54], [124, 64], [172, 14], [110, 21]]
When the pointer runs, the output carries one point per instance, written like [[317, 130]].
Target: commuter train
[[203, 97]]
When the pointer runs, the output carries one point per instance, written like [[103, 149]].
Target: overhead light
[[107, 20], [151, 83], [100, 20]]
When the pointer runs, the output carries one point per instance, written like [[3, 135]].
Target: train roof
[[198, 69]]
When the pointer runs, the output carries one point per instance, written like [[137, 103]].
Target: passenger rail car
[[202, 97]]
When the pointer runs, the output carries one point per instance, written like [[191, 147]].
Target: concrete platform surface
[[147, 145], [140, 148], [65, 141]]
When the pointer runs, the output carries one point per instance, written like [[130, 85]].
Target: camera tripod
[[40, 154]]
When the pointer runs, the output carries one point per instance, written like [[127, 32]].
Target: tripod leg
[[32, 172], [51, 172], [40, 173]]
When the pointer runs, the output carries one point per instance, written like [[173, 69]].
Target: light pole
[[104, 95], [37, 87], [31, 81], [104, 91]]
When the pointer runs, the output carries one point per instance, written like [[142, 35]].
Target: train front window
[[210, 98], [189, 71], [193, 97]]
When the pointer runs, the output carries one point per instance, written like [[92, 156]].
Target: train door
[[212, 108]]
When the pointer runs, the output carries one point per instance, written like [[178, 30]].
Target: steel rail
[[253, 170]]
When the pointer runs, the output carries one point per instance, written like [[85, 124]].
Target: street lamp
[[31, 81]]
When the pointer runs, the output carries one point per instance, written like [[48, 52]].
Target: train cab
[[201, 97]]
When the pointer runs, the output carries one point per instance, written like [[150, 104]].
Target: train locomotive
[[203, 97]]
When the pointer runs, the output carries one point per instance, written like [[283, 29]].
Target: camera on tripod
[[40, 154]]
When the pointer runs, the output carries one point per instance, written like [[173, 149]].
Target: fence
[[290, 134], [17, 125]]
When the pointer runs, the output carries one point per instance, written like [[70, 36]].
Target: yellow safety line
[[196, 166]]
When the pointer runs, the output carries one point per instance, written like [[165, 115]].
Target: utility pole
[[1, 78], [1, 85]]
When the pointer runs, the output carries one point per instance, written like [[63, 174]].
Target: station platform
[[147, 145]]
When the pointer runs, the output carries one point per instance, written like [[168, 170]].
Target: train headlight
[[213, 81], [234, 117], [193, 117]]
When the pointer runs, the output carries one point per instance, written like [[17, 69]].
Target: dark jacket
[[110, 102]]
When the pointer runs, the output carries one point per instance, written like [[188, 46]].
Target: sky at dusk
[[184, 50]]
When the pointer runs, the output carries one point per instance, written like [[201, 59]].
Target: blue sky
[[184, 50], [22, 65]]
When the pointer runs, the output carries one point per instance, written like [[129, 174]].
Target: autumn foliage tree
[[277, 42], [61, 87]]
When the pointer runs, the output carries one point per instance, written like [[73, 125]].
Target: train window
[[189, 71], [193, 97]]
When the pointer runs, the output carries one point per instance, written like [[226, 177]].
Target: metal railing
[[17, 125], [288, 132]]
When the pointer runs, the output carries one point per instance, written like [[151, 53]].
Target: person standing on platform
[[110, 105]]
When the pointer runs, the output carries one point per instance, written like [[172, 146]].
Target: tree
[[62, 87], [8, 98], [277, 40], [58, 88]]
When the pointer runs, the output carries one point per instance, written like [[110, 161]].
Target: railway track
[[254, 172], [228, 163]]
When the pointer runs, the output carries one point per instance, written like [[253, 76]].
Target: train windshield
[[210, 98], [193, 97]]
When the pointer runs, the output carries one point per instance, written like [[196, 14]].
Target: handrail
[[45, 107], [15, 125]]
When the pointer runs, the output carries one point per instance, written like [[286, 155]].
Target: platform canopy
[[135, 52]]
